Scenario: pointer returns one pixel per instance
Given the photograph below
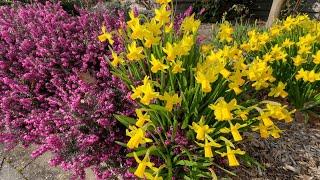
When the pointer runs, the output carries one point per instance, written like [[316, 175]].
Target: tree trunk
[[275, 11]]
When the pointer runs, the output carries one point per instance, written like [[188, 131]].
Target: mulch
[[296, 155]]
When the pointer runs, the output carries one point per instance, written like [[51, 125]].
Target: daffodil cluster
[[283, 60], [195, 101]]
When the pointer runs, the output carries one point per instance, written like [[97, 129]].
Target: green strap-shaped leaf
[[126, 121]]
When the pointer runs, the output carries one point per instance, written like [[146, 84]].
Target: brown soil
[[296, 155]]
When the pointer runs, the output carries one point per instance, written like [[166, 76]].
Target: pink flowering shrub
[[56, 89]]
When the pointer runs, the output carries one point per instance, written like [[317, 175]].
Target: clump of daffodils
[[283, 60], [192, 102]]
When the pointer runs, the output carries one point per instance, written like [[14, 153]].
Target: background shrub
[[55, 87], [215, 10]]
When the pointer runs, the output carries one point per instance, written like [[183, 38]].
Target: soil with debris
[[296, 155]]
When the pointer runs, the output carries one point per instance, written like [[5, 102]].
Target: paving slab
[[19, 157], [18, 164], [7, 172], [39, 169]]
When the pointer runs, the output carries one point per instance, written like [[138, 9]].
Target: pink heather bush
[[55, 87]]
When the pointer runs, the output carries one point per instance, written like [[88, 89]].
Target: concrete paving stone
[[90, 174], [39, 169], [19, 160], [19, 157], [7, 172]]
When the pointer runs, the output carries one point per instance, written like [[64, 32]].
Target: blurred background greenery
[[209, 11]]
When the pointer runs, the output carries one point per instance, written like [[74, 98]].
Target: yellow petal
[[236, 135], [224, 130], [231, 157], [208, 151], [267, 121], [140, 122], [225, 73], [140, 170]]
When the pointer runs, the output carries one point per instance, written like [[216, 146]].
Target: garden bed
[[155, 97], [295, 156]]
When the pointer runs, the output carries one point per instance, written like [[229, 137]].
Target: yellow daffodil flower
[[304, 50], [149, 95], [265, 131], [289, 23], [162, 15], [313, 77], [275, 30], [116, 60], [208, 144], [222, 109], [234, 131], [170, 51], [263, 38], [275, 132], [279, 112], [105, 35], [302, 74], [287, 43], [298, 60], [155, 174], [184, 46], [163, 1], [138, 32], [201, 129], [168, 28], [306, 40], [134, 21], [204, 81], [243, 114], [142, 165], [206, 48], [151, 40], [225, 32], [316, 57], [137, 92], [277, 53], [208, 71], [279, 90], [145, 92], [189, 24], [265, 118], [153, 27], [225, 73], [157, 65], [236, 82], [267, 57], [135, 53], [308, 76], [142, 118], [170, 100], [260, 73], [262, 129], [231, 155], [177, 67], [137, 137]]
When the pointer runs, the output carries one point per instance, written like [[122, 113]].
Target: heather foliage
[[55, 87]]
